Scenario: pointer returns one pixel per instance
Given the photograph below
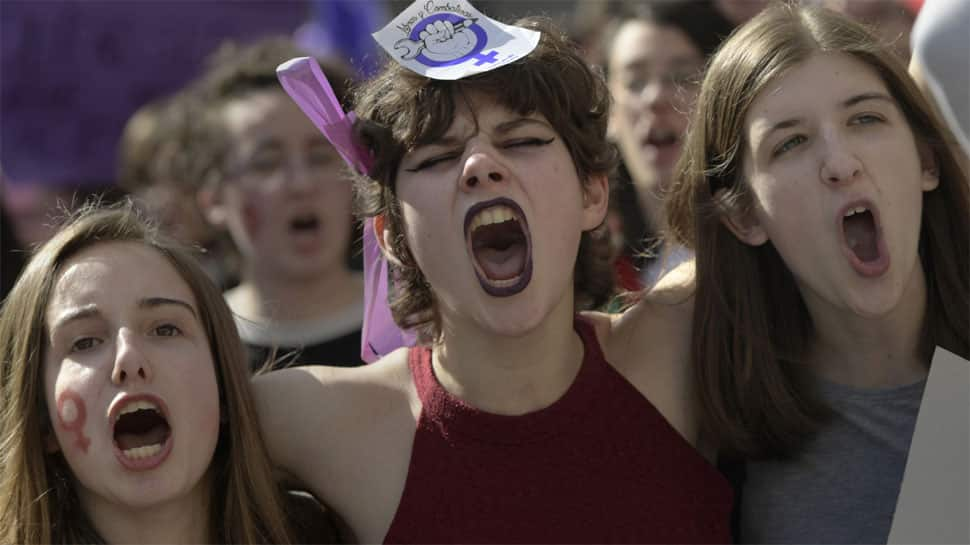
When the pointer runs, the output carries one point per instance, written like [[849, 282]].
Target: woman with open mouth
[[830, 223], [515, 419], [126, 415]]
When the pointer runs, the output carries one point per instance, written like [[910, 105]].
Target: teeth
[[856, 210], [138, 453], [138, 406], [494, 214]]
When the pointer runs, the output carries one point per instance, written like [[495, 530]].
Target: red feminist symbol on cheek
[[72, 414]]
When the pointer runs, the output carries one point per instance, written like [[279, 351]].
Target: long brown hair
[[38, 503], [399, 109], [751, 326]]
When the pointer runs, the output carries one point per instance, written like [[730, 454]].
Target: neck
[[867, 352], [269, 298], [653, 212], [181, 520], [511, 375]]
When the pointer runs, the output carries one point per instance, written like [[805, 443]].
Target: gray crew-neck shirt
[[842, 488]]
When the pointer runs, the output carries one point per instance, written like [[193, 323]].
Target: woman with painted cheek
[[122, 374], [832, 259], [655, 59]]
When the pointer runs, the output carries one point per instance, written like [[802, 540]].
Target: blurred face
[[129, 379], [838, 181], [493, 215], [653, 71], [177, 212], [285, 202]]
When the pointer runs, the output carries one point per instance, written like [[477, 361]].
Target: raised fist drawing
[[441, 41]]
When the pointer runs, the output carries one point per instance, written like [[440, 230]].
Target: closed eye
[[525, 142], [432, 161], [788, 145]]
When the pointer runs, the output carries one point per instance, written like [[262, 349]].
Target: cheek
[[70, 419], [253, 216]]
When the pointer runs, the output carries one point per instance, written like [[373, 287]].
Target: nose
[[657, 93], [130, 361], [480, 166], [298, 176], [839, 164]]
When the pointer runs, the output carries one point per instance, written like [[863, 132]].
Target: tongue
[[860, 235], [155, 436], [501, 263]]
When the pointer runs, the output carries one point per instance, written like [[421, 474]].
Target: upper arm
[[289, 406], [651, 345]]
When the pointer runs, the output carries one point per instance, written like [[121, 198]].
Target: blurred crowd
[[177, 105]]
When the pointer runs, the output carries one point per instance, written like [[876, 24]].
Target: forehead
[[639, 42], [116, 273], [265, 111], [820, 83], [478, 111]]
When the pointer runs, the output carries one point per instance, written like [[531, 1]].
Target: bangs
[[427, 117]]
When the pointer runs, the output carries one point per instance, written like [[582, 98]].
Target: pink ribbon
[[307, 85]]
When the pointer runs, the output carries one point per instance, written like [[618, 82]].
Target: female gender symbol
[[72, 415]]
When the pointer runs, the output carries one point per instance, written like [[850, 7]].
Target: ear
[[383, 235], [930, 176], [596, 201], [211, 202], [742, 223]]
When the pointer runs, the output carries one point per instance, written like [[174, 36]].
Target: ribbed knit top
[[599, 465]]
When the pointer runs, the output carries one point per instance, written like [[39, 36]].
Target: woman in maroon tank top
[[513, 420]]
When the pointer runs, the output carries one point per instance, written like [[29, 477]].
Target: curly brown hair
[[400, 109]]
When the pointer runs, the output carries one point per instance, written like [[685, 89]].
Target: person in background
[[831, 226], [890, 20], [940, 64], [125, 412], [655, 56], [278, 187], [158, 166]]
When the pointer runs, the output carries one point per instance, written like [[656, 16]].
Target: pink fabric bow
[[306, 84]]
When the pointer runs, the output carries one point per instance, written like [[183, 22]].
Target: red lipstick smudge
[[76, 425]]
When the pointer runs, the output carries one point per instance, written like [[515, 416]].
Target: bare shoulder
[[320, 423], [649, 344]]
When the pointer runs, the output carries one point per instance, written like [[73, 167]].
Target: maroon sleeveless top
[[600, 465]]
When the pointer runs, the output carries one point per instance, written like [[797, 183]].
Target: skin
[[826, 134], [651, 71], [505, 355], [71, 416], [123, 323], [282, 168]]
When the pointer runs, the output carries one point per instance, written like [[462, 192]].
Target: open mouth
[[497, 238], [141, 432], [304, 223], [863, 239], [661, 138]]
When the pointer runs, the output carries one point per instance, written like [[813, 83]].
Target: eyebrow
[[91, 310], [678, 61], [867, 96], [847, 103], [513, 124], [155, 302], [501, 128]]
